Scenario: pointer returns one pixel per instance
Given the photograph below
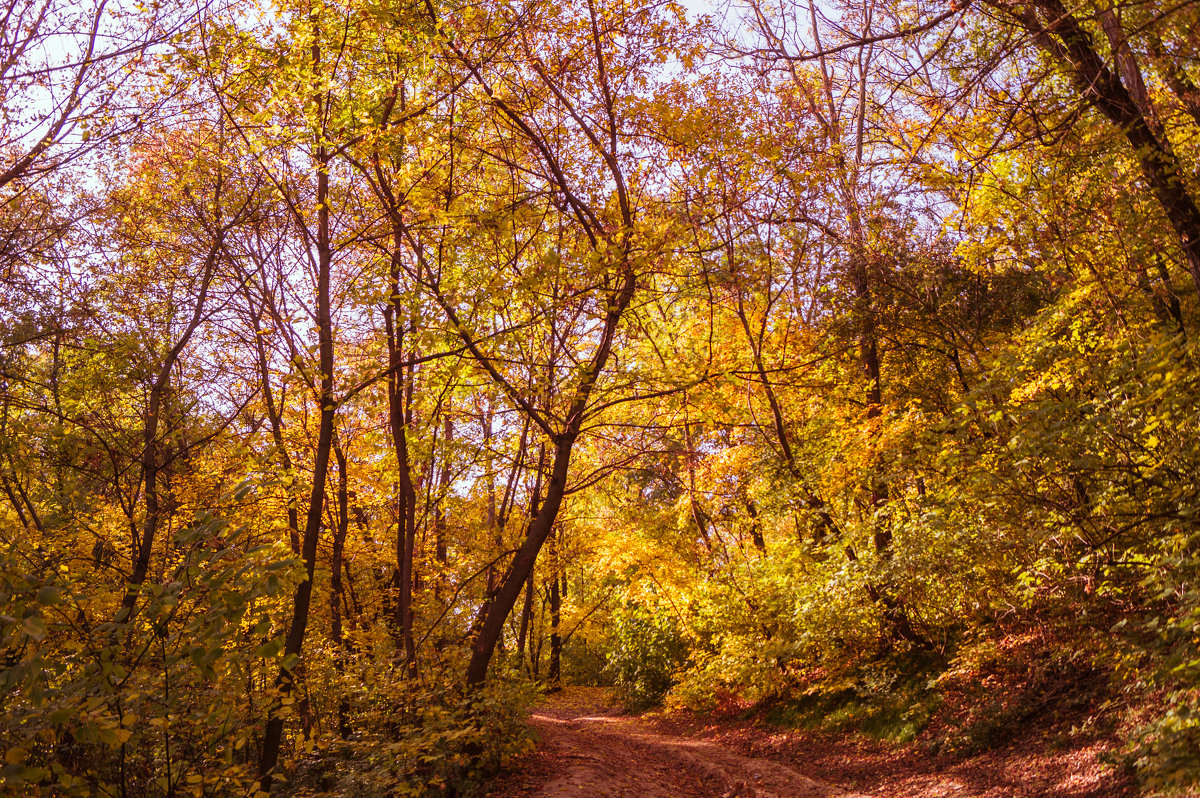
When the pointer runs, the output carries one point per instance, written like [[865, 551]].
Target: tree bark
[[555, 669], [399, 418], [302, 599], [526, 619], [1062, 36], [337, 597]]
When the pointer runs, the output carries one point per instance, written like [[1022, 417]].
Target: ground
[[588, 747]]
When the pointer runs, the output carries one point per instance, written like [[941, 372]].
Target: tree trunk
[[302, 598], [1065, 40], [439, 520], [337, 597], [399, 418], [490, 621], [555, 609], [526, 619]]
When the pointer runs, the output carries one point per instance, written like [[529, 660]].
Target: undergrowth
[[889, 699], [978, 698]]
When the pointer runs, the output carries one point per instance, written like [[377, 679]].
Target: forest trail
[[587, 747]]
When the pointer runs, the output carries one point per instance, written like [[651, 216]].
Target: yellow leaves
[[1060, 376]]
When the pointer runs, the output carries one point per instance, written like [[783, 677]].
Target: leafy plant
[[645, 651]]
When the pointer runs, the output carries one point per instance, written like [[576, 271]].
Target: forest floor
[[588, 747]]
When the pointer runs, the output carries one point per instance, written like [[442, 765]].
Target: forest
[[370, 367]]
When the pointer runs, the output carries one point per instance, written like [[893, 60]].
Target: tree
[[601, 231]]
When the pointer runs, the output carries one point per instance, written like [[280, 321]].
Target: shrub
[[414, 738], [646, 650], [1166, 751], [149, 706]]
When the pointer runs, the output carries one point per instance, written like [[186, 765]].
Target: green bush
[[418, 738], [646, 650], [1166, 751], [173, 700], [148, 706], [585, 664]]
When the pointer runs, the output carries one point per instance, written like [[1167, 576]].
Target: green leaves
[[177, 670], [645, 650], [33, 627]]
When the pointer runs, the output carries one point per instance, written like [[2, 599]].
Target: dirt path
[[588, 748]]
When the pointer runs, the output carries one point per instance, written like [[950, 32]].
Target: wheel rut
[[587, 748]]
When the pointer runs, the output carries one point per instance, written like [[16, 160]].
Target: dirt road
[[587, 748]]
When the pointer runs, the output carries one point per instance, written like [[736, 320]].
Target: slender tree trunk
[[12, 499], [535, 499], [302, 599], [698, 514], [439, 523], [756, 535], [554, 671], [526, 618], [485, 423], [18, 504], [151, 462], [337, 597], [1185, 91], [399, 417]]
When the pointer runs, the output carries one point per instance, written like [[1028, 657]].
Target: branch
[[863, 41]]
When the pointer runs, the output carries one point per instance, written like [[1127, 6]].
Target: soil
[[589, 747]]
